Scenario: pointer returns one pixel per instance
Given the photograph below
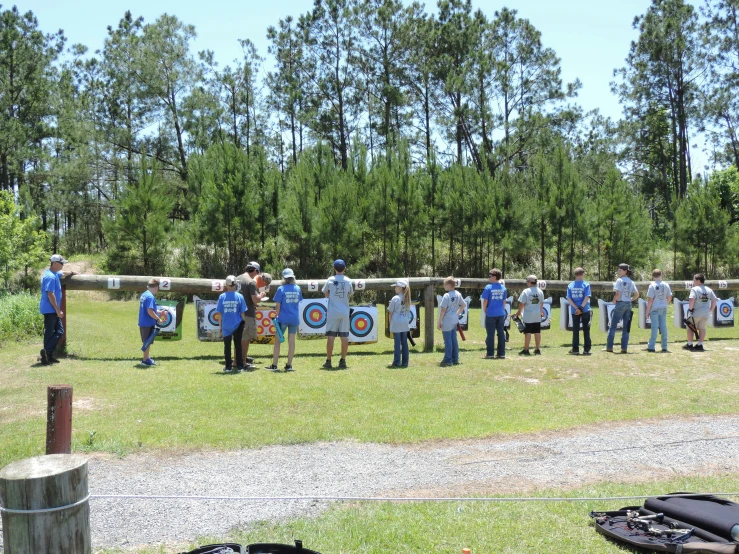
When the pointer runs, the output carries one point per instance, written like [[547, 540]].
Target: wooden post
[[62, 346], [59, 419], [40, 483], [429, 323]]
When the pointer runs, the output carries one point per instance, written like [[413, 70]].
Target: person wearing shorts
[[287, 303], [702, 302], [149, 316], [338, 289], [531, 303], [252, 296]]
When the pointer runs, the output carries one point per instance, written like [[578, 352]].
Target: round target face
[[214, 318], [167, 320], [260, 330], [726, 310], [360, 324], [259, 315], [272, 314], [411, 317], [546, 313], [314, 315], [272, 330]]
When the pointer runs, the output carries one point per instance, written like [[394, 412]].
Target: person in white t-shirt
[[702, 302], [337, 289], [626, 293]]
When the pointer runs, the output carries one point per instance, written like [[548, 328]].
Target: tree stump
[[39, 483]]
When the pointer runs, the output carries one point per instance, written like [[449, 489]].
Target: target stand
[[314, 315], [723, 315]]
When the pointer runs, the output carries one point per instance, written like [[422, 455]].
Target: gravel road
[[511, 466]]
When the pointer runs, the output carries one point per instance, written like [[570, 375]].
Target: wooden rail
[[428, 284]]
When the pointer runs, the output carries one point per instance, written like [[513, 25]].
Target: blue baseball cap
[[340, 264]]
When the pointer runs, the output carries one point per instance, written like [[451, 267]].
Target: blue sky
[[591, 37]]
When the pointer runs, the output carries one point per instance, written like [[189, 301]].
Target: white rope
[[45, 510], [394, 498]]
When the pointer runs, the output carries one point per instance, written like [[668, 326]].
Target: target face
[[725, 310], [547, 313], [214, 318], [168, 320], [314, 315], [412, 317], [360, 324]]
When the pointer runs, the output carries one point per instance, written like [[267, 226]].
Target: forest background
[[406, 142]]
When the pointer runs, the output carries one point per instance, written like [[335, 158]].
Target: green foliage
[[22, 245], [19, 318], [139, 228]]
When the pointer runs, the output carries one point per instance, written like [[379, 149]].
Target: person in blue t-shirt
[[149, 316], [50, 307], [493, 306], [287, 299], [232, 307], [578, 296]]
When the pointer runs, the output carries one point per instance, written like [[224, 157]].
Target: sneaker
[[608, 350], [249, 360], [342, 363], [586, 353], [240, 368], [488, 357], [393, 366], [272, 367], [623, 351], [456, 363], [327, 365], [56, 361], [289, 368], [698, 348], [227, 369], [524, 352], [249, 367], [445, 364], [651, 350], [148, 362], [44, 359], [574, 352], [688, 347], [665, 351], [500, 358], [537, 352]]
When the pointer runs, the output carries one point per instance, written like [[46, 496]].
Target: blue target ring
[[361, 324], [167, 320], [314, 315], [726, 310], [214, 318]]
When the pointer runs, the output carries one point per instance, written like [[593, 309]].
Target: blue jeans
[[495, 325], [53, 331], [622, 311], [659, 323], [451, 347], [400, 354]]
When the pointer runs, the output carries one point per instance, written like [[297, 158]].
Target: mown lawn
[[186, 402]]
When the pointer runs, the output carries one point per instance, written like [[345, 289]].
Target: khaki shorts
[[700, 323], [337, 326], [250, 329]]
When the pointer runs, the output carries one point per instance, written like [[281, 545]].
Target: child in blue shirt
[[287, 300], [232, 307], [578, 296], [493, 305], [149, 316]]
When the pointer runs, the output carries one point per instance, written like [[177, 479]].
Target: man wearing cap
[[337, 289], [232, 307], [51, 307], [252, 296], [149, 316]]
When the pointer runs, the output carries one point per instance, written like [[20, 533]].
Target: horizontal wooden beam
[[204, 286]]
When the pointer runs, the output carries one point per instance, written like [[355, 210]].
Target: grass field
[[187, 403]]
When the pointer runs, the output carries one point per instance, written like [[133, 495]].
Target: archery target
[[214, 318], [645, 322], [566, 322], [605, 310], [363, 325], [313, 315], [170, 320], [360, 324], [546, 321], [724, 314], [208, 320]]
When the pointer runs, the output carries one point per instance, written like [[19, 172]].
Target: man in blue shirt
[[232, 307], [578, 296], [493, 305], [50, 307], [149, 316]]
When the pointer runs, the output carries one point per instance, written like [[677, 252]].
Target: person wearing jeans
[[659, 297], [626, 293], [578, 297], [452, 305], [50, 306], [493, 306]]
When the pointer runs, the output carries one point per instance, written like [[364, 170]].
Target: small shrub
[[19, 318]]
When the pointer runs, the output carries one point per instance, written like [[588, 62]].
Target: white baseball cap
[[58, 258], [402, 283], [230, 281]]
